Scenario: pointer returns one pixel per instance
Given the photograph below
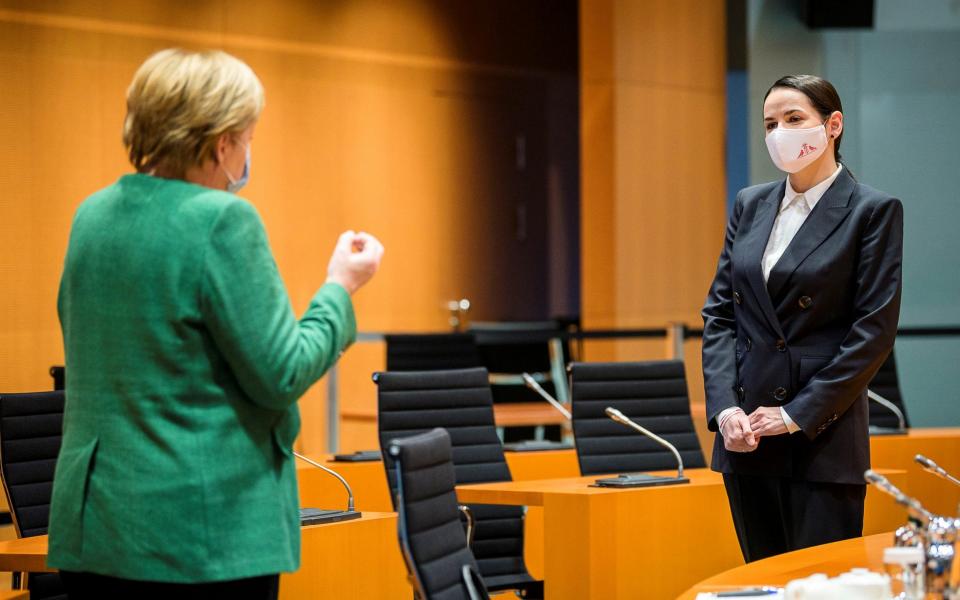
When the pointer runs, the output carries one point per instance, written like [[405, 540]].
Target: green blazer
[[184, 365]]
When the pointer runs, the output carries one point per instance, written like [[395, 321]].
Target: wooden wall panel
[[379, 116], [652, 120]]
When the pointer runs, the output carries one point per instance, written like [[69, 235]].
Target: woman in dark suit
[[801, 314]]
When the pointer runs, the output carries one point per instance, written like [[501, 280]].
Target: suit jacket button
[[780, 393], [737, 298], [781, 345], [805, 302]]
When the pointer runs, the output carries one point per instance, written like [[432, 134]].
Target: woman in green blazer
[[185, 358]]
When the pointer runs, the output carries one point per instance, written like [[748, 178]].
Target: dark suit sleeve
[[833, 389], [720, 330]]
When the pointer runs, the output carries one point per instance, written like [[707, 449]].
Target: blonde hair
[[180, 102]]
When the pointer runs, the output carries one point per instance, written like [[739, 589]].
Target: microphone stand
[[534, 445], [316, 516], [531, 383], [902, 428], [914, 509], [936, 469], [629, 480]]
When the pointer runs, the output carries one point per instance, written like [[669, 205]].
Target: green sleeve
[[245, 306]]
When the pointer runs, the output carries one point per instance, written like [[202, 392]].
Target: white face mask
[[793, 149]]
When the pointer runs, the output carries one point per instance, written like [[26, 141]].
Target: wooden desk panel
[[321, 490], [24, 554], [350, 559], [369, 481], [941, 444], [832, 559], [544, 464], [639, 543], [515, 414]]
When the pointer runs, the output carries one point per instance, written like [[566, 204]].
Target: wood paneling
[[652, 134], [397, 118]]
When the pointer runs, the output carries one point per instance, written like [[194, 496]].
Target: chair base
[[632, 480], [316, 516]]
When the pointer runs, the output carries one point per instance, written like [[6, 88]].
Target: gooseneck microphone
[[621, 418], [913, 506], [891, 407], [312, 516], [936, 469], [533, 385]]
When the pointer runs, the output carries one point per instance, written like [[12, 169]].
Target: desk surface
[[832, 559], [650, 542], [531, 493]]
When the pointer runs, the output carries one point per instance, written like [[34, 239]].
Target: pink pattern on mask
[[806, 149]]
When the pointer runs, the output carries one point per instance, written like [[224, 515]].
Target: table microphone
[[642, 479], [936, 469], [892, 408], [314, 516], [533, 385], [537, 445], [913, 506]]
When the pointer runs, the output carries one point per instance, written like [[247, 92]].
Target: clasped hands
[[742, 432]]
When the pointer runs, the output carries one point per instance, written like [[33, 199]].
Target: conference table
[[888, 451], [650, 542], [348, 559], [830, 559]]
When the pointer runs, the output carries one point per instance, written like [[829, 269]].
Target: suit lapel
[[830, 211], [754, 246]]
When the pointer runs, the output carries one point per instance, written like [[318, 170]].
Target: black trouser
[[90, 586], [773, 515]]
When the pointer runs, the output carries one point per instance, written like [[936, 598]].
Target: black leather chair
[[459, 401], [30, 431], [431, 351], [59, 374], [439, 562], [887, 384], [654, 394]]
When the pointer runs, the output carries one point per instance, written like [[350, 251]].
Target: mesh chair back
[[654, 395], [460, 402], [887, 384], [431, 537], [430, 352], [30, 432]]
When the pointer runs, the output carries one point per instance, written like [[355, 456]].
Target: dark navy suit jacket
[[813, 336]]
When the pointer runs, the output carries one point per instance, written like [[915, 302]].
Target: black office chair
[[59, 375], [515, 347], [654, 394], [30, 431], [431, 351], [459, 401], [439, 562], [886, 383]]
